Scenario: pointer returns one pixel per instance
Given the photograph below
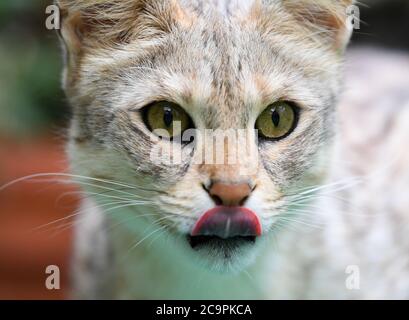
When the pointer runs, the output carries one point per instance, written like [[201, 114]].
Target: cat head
[[154, 83]]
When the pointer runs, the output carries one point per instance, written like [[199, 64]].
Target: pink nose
[[228, 222], [229, 194]]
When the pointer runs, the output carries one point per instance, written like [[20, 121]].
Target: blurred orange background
[[26, 251]]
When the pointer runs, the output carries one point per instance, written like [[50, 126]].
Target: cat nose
[[228, 194]]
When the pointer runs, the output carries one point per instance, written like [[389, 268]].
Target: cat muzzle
[[228, 222]]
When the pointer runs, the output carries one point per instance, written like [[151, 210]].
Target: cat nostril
[[217, 200], [242, 202]]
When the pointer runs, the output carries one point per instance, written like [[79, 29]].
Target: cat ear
[[326, 20], [104, 23]]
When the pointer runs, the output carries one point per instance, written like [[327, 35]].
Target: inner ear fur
[[325, 19], [104, 23]]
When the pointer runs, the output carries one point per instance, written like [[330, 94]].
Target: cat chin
[[224, 256]]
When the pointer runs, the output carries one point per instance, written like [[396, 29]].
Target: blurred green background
[[31, 100]]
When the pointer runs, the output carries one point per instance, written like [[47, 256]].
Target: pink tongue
[[227, 222]]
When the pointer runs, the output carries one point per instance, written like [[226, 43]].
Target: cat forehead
[[220, 65], [225, 8]]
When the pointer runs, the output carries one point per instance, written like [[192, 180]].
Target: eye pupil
[[168, 117], [275, 117]]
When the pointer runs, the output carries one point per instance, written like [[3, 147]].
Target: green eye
[[277, 121], [167, 116]]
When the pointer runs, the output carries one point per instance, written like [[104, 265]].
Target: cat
[[305, 222]]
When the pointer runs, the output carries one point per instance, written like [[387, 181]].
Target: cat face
[[259, 72]]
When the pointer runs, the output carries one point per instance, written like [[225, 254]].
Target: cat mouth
[[197, 242], [225, 227]]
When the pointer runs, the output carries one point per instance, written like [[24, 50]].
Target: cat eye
[[277, 121], [167, 116]]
